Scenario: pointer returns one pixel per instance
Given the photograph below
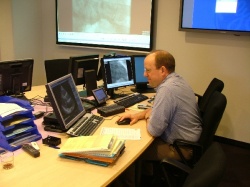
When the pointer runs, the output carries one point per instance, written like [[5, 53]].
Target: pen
[[55, 147], [140, 106], [151, 99]]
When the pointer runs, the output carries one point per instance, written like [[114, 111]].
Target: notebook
[[66, 102]]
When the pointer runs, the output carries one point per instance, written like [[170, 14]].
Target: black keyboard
[[131, 99], [86, 126], [110, 110]]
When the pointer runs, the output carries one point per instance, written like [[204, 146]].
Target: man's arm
[[137, 116]]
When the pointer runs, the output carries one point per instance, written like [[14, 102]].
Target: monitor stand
[[20, 96], [143, 89], [51, 123], [113, 95], [46, 99]]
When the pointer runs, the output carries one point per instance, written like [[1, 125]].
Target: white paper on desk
[[123, 133], [10, 108]]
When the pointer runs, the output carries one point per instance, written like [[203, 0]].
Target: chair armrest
[[199, 97], [174, 172], [195, 147], [176, 164], [186, 143]]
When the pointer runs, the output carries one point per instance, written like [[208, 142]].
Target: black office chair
[[56, 68], [207, 172], [211, 118], [215, 85], [210, 121]]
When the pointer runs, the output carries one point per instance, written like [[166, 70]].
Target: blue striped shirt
[[175, 113]]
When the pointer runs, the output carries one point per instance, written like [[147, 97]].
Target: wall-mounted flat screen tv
[[221, 16], [116, 24]]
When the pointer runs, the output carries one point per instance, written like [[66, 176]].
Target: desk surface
[[51, 170]]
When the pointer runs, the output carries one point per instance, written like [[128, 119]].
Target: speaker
[[90, 81]]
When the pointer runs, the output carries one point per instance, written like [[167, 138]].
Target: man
[[175, 113]]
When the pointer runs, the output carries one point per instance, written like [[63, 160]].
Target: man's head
[[158, 65]]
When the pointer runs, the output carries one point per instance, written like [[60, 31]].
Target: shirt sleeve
[[162, 112]]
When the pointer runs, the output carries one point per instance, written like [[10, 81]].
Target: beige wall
[[199, 57], [6, 34]]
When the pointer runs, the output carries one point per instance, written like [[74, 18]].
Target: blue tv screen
[[222, 16]]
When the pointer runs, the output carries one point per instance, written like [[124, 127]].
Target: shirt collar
[[164, 80]]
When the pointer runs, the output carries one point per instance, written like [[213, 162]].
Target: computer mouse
[[125, 121]]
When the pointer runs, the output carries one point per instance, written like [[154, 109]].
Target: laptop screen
[[65, 101]]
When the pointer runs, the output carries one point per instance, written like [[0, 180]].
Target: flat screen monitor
[[141, 82], [117, 72], [125, 25], [16, 77], [82, 63], [56, 68], [216, 16], [65, 101], [100, 96]]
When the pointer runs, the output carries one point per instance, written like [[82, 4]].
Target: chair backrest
[[212, 117], [215, 85], [209, 170], [56, 68]]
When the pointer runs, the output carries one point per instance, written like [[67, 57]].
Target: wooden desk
[[51, 170]]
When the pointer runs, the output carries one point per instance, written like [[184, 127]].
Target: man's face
[[154, 75]]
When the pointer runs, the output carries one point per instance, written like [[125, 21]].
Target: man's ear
[[164, 69]]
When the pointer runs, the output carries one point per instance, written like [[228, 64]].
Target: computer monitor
[[56, 68], [141, 82], [100, 96], [80, 64], [117, 72], [16, 77], [65, 101]]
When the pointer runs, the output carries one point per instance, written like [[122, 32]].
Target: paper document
[[123, 133], [88, 143], [15, 120], [10, 108]]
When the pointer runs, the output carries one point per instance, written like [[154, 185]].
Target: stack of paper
[[10, 108], [100, 149]]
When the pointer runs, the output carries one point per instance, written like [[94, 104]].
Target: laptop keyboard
[[86, 126]]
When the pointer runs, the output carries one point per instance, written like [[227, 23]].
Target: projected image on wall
[[98, 20], [117, 24]]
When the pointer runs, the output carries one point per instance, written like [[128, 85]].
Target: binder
[[88, 143], [101, 150], [102, 157]]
